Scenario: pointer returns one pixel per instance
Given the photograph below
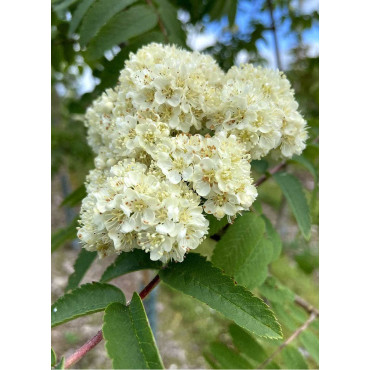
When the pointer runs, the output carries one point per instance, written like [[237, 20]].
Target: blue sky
[[250, 9]]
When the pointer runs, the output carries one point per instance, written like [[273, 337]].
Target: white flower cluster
[[174, 141]]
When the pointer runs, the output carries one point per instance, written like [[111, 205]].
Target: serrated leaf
[[247, 344], [63, 235], [98, 15], [238, 242], [74, 197], [254, 270], [215, 225], [78, 14], [81, 265], [128, 338], [123, 26], [228, 358], [200, 279], [128, 262], [274, 291], [274, 237], [293, 192], [85, 300], [311, 343], [53, 357], [168, 15], [60, 365], [293, 359]]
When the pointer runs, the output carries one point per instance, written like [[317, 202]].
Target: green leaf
[[63, 5], [311, 343], [293, 359], [232, 12], [53, 357], [60, 365], [63, 235], [82, 264], [238, 243], [168, 14], [211, 361], [78, 14], [247, 344], [307, 164], [98, 15], [128, 262], [228, 358], [274, 291], [198, 278], [75, 197], [254, 270], [293, 191], [274, 237], [123, 26], [216, 225], [85, 300], [128, 338]]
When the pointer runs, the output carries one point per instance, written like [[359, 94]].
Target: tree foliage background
[[91, 39]]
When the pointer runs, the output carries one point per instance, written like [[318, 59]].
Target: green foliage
[[85, 300], [78, 14], [75, 197], [274, 238], [64, 235], [274, 291], [227, 358], [238, 243], [60, 365], [128, 338], [81, 265], [53, 357], [292, 190], [293, 359], [311, 343], [129, 262], [198, 278], [98, 15], [122, 27]]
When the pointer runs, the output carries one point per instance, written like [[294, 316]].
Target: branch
[[263, 178], [160, 23], [96, 339], [307, 306], [290, 339]]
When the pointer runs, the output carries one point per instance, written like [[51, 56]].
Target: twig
[[263, 178], [96, 339], [160, 22], [290, 339], [307, 306], [273, 28]]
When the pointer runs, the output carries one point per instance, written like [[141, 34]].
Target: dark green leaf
[[260, 165], [254, 270], [216, 225], [128, 262], [211, 361], [306, 163], [63, 5], [75, 197], [128, 338], [292, 189], [247, 344], [274, 237], [53, 357], [232, 12], [63, 235], [238, 243], [85, 300], [78, 14], [123, 26], [98, 15], [198, 278], [311, 343], [168, 14], [82, 264], [228, 358], [293, 359]]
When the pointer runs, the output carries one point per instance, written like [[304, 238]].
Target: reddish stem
[[90, 344]]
